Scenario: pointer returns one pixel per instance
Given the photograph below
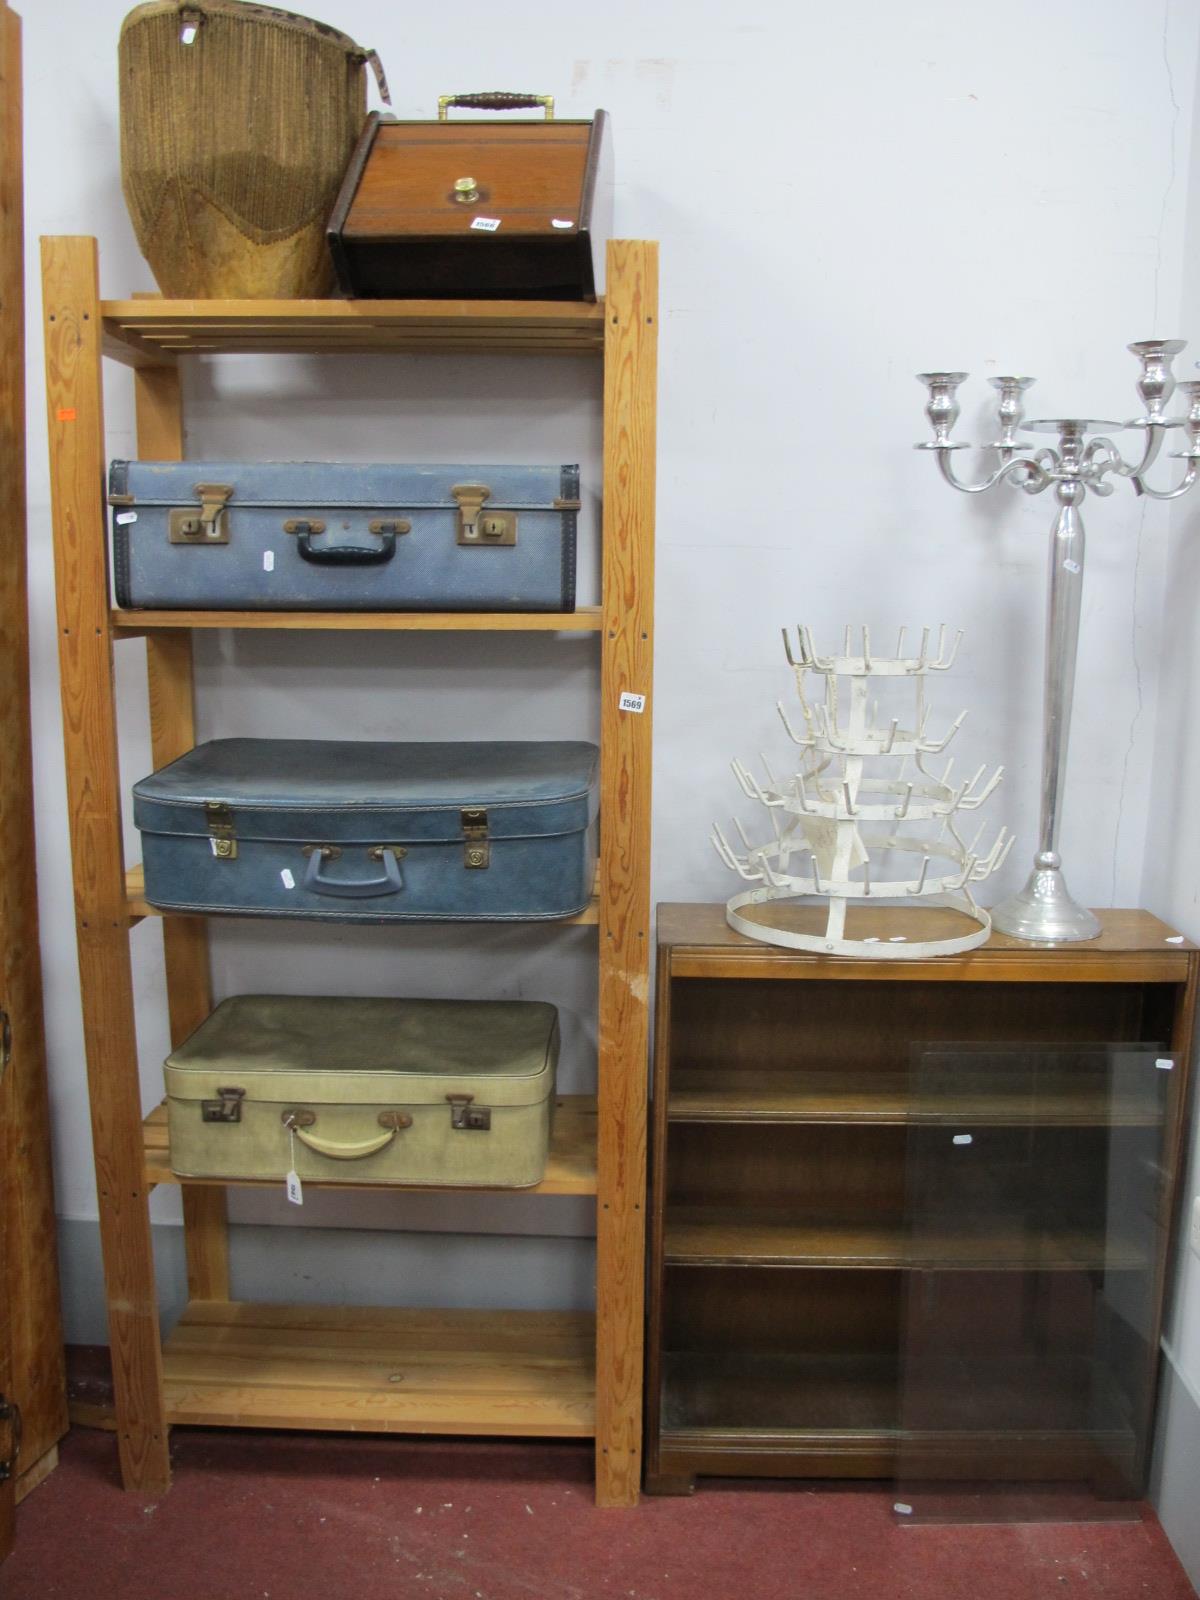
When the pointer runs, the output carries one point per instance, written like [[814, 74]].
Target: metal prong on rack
[[804, 741]]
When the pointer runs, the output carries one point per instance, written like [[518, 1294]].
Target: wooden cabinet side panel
[[26, 1185], [657, 1191], [630, 383], [76, 430]]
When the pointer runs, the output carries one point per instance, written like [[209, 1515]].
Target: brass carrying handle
[[298, 1122], [495, 100]]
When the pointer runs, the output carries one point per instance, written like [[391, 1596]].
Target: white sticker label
[[631, 702], [962, 1138], [126, 516], [295, 1191], [268, 561], [485, 224], [561, 222], [188, 36], [1174, 938], [1072, 566], [1163, 1064], [901, 1509], [288, 881]]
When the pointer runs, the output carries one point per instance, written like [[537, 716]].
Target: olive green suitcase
[[438, 1093]]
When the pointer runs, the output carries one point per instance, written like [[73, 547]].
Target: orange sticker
[[66, 413]]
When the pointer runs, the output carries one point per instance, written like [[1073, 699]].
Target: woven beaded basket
[[237, 122]]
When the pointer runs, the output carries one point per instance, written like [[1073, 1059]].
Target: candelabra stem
[[1044, 909]]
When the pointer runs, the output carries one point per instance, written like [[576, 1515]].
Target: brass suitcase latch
[[210, 525], [221, 836], [467, 1116], [477, 852], [475, 526], [227, 1107]]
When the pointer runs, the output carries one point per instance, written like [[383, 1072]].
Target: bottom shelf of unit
[[379, 1370], [802, 1415]]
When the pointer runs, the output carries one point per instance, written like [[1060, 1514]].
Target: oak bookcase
[[248, 1365], [787, 1103]]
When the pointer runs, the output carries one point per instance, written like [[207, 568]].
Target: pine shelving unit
[[240, 1364]]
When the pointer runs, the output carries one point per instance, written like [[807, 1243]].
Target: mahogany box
[[482, 210]]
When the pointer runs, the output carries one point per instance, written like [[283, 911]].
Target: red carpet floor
[[287, 1517]]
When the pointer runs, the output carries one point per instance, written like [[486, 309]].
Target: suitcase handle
[[346, 555], [354, 888], [354, 1150], [495, 100]]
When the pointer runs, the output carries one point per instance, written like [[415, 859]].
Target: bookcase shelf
[[912, 1218]]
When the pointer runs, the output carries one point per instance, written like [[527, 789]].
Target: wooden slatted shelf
[[152, 331], [570, 1165], [714, 1236], [138, 906], [885, 1099], [351, 1368], [585, 619]]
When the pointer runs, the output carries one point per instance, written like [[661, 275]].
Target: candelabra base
[[1044, 911]]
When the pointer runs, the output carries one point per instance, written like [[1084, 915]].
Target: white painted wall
[[844, 196]]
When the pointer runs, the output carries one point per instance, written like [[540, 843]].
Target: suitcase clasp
[[467, 1116], [219, 818], [477, 852], [227, 1107], [497, 527], [212, 524]]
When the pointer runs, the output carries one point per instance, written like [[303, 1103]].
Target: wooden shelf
[[772, 1412], [713, 1236], [570, 1165], [782, 1095], [1133, 947], [138, 907], [152, 331], [784, 1392], [355, 1369], [585, 619]]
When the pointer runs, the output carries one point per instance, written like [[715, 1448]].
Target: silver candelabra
[[1085, 459]]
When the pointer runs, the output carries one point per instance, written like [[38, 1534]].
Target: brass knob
[[466, 191]]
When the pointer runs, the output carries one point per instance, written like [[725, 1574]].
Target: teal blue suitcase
[[343, 536], [371, 832]]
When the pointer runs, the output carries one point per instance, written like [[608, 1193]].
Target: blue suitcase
[[339, 536], [371, 832]]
